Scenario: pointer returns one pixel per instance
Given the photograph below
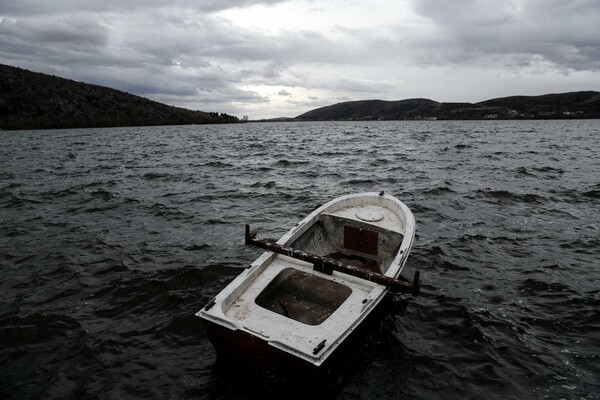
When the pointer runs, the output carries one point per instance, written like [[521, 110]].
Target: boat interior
[[352, 242], [310, 298]]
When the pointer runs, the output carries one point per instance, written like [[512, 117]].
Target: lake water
[[112, 239]]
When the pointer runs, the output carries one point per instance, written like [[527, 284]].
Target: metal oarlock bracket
[[327, 265]]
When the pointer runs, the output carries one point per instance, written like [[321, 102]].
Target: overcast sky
[[277, 58]]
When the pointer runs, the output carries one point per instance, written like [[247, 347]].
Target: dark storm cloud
[[185, 52], [159, 54], [81, 31], [49, 45], [565, 33]]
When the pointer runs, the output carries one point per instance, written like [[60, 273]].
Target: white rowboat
[[312, 288]]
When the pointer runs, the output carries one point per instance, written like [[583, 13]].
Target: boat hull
[[254, 365], [253, 353]]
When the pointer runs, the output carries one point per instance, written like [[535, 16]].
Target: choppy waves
[[113, 238]]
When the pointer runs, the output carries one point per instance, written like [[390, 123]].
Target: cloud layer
[[276, 58]]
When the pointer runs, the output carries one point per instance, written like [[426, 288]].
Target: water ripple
[[113, 238]]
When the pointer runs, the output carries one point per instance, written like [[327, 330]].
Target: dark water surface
[[112, 239]]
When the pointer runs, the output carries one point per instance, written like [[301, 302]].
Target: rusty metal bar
[[327, 265]]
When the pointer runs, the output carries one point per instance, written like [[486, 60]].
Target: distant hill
[[550, 106], [30, 100]]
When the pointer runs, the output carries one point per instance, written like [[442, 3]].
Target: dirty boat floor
[[303, 297]]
